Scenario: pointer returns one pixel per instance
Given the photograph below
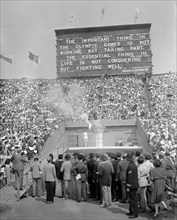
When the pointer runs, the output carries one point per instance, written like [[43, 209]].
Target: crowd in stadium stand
[[31, 109], [27, 118], [161, 127], [23, 122]]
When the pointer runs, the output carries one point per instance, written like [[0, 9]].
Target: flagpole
[[102, 15], [72, 19], [136, 15]]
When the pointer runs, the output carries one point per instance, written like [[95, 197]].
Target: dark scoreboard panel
[[111, 50]]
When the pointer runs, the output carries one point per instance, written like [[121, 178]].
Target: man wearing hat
[[114, 162], [36, 175], [73, 187], [59, 174], [121, 175], [96, 177], [118, 182], [105, 171], [90, 166], [66, 168], [132, 186], [18, 166], [81, 171]]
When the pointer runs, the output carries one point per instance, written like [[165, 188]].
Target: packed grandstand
[[31, 109]]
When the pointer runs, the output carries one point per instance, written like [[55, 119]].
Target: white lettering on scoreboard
[[113, 52]]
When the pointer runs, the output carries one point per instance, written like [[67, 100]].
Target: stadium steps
[[53, 140], [8, 194]]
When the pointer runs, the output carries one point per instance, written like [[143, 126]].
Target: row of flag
[[9, 58]]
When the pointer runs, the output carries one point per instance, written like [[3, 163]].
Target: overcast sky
[[29, 26]]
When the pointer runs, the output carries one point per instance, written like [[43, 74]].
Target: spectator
[[158, 176], [7, 171], [36, 175], [90, 164], [121, 175], [105, 170], [66, 168], [143, 173], [96, 177], [81, 171], [49, 175], [132, 186], [18, 165], [59, 174]]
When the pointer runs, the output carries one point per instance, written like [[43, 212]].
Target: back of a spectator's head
[[119, 154], [129, 156], [104, 157], [67, 157], [137, 153], [113, 156], [154, 155], [80, 157], [98, 155], [91, 155], [49, 159], [8, 160], [133, 153], [124, 156], [60, 156], [167, 154], [157, 163], [36, 159], [140, 160], [51, 155], [161, 155], [148, 157], [75, 154]]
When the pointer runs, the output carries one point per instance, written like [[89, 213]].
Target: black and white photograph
[[88, 110]]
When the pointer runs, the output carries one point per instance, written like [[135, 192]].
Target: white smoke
[[69, 104], [84, 117]]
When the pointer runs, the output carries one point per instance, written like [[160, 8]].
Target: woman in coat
[[158, 177]]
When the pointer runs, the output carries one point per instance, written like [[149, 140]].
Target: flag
[[6, 58], [136, 14], [33, 57]]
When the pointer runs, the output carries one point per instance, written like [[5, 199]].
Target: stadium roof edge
[[100, 28]]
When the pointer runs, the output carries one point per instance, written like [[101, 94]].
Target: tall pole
[[102, 15], [102, 102], [71, 19], [136, 15]]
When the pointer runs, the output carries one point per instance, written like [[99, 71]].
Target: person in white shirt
[[85, 139], [143, 173], [66, 168]]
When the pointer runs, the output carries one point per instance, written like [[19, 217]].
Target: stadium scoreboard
[[105, 50]]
